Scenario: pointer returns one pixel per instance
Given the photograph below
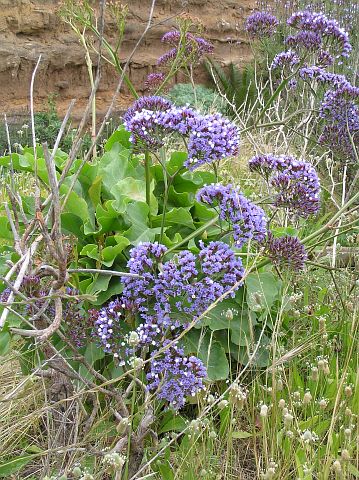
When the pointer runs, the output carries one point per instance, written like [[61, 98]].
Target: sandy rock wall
[[29, 28]]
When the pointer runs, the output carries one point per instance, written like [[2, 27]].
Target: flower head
[[287, 252], [154, 80], [212, 138], [247, 219], [261, 24], [175, 376], [295, 181], [189, 45]]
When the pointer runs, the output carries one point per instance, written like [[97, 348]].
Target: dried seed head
[[307, 398], [264, 411], [348, 391], [323, 404], [281, 403], [288, 419], [315, 374], [337, 467], [229, 314]]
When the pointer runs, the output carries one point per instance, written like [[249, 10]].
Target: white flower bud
[[133, 339], [323, 404], [77, 472], [229, 314], [347, 432], [281, 403], [264, 411], [315, 374], [337, 467], [348, 391], [288, 419], [137, 363], [307, 398]]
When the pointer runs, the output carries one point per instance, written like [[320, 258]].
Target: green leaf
[[176, 216], [137, 215], [132, 189], [109, 254], [95, 191], [210, 351], [93, 353], [5, 231], [352, 469], [11, 466], [5, 341], [172, 423], [239, 325], [121, 136], [166, 471], [262, 291]]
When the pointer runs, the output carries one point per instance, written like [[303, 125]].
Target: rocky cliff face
[[29, 28]]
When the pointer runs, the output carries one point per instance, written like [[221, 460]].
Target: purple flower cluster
[[296, 182], [287, 252], [190, 46], [154, 80], [340, 111], [327, 29], [175, 376], [108, 324], [261, 24], [210, 137], [285, 60], [247, 220], [183, 285], [213, 137], [166, 296]]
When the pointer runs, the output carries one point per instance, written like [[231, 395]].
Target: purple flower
[[285, 59], [212, 138], [108, 323], [191, 47], [296, 182], [329, 30], [307, 40], [167, 57], [175, 376], [261, 24], [153, 104], [287, 252], [154, 80], [340, 111], [169, 294], [247, 219]]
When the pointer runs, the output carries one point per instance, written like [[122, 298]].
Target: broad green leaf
[[121, 136], [91, 250], [93, 353], [172, 423], [210, 352], [95, 191], [262, 289], [75, 204], [132, 189], [137, 215], [177, 216], [219, 318], [166, 471]]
